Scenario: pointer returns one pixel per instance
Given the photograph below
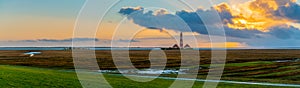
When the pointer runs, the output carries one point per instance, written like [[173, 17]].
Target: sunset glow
[[255, 14], [246, 23]]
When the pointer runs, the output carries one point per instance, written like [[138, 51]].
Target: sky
[[153, 23]]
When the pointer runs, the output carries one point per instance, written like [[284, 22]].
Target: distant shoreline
[[136, 48]]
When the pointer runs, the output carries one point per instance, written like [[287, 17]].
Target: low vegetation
[[275, 66], [29, 77]]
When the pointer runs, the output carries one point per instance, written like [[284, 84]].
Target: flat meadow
[[55, 68]]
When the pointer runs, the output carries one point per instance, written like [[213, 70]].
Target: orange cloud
[[255, 14], [221, 45]]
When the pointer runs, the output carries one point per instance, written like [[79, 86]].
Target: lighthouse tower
[[179, 46], [181, 40]]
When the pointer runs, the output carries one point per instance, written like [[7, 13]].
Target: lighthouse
[[181, 40], [180, 45]]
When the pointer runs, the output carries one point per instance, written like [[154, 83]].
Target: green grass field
[[51, 68], [30, 77]]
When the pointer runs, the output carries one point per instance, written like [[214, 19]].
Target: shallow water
[[146, 71], [294, 60], [223, 81]]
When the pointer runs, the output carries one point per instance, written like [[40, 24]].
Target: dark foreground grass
[[29, 77]]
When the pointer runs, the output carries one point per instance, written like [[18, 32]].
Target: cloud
[[285, 32], [253, 19], [256, 23], [129, 10], [121, 40], [221, 45], [159, 19], [290, 10], [181, 21], [62, 40]]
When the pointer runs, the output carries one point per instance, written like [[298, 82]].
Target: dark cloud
[[130, 10], [292, 11], [242, 33], [157, 19], [182, 21], [285, 32]]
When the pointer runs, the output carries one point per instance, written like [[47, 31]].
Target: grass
[[63, 59], [249, 63], [252, 63], [30, 77], [27, 77], [241, 65], [278, 73]]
